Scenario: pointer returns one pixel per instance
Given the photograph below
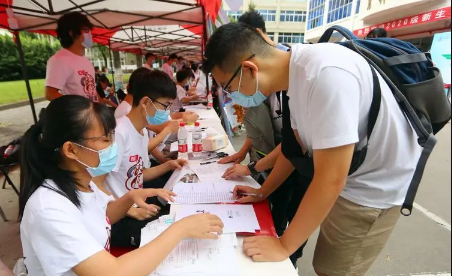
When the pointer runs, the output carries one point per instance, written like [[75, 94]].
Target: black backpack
[[417, 86]]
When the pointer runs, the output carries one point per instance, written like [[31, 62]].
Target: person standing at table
[[69, 72], [168, 67], [264, 143], [65, 220], [152, 92], [330, 91], [150, 58]]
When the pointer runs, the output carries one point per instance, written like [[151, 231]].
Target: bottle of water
[[182, 136], [210, 101], [197, 138]]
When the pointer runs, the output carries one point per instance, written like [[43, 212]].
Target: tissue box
[[215, 143]]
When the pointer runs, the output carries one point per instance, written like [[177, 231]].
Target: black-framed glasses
[[166, 107], [227, 88]]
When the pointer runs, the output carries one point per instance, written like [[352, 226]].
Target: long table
[[208, 118]]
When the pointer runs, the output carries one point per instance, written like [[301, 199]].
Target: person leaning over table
[[69, 72], [105, 92], [65, 219], [330, 90]]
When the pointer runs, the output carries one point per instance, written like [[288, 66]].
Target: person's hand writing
[[236, 171], [173, 127], [176, 164], [143, 214], [204, 226], [235, 158], [190, 117], [240, 191], [265, 249]]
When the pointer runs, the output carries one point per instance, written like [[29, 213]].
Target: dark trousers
[[127, 232], [285, 202]]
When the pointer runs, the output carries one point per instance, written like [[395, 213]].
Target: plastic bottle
[[210, 101], [182, 136], [197, 138]]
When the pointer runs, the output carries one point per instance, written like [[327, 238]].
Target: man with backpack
[[361, 173]]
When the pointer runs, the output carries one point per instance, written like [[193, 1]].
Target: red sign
[[431, 16]]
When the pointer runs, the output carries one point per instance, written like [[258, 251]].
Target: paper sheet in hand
[[195, 257], [236, 218], [215, 191]]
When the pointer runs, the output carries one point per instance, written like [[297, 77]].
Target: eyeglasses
[[166, 107], [227, 87], [110, 136]]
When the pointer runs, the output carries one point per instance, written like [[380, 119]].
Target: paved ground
[[420, 244]]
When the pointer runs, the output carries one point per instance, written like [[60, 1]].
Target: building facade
[[416, 21], [285, 19]]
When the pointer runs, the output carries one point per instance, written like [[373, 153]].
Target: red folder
[[264, 216]]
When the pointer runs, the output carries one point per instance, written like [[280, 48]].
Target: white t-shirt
[[123, 109], [147, 66], [57, 236], [276, 111], [133, 158], [330, 90], [72, 75], [177, 103], [169, 70]]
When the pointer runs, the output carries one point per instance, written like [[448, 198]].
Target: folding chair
[[5, 170]]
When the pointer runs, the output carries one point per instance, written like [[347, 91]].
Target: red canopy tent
[[160, 26]]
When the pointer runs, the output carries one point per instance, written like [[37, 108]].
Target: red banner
[[431, 16]]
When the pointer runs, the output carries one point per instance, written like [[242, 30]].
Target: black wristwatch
[[252, 168]]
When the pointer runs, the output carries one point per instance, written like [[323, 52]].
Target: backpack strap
[[375, 106]]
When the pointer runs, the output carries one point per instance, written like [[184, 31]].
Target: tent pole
[[204, 43], [25, 75], [111, 63]]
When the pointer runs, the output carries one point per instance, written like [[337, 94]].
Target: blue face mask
[[160, 117], [88, 42], [107, 160], [248, 101]]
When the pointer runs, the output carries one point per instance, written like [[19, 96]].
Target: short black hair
[[377, 33], [184, 74], [149, 55], [72, 22], [96, 68], [254, 19], [153, 84], [103, 78], [173, 56], [231, 44]]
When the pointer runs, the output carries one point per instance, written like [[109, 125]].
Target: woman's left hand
[[139, 196], [176, 164]]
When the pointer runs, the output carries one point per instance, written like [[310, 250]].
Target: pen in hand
[[249, 194]]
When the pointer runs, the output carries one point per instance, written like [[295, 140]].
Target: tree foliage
[[252, 6], [37, 50]]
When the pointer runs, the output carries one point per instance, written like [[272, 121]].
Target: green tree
[[102, 52], [252, 6]]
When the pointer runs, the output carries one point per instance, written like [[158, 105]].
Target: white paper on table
[[213, 170], [195, 257], [236, 218], [211, 192]]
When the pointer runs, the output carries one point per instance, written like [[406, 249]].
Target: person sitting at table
[[69, 71], [183, 97], [106, 93], [152, 93], [65, 219]]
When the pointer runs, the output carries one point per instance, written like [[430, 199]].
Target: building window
[[339, 9], [358, 6], [293, 16], [291, 38], [271, 36], [268, 15], [316, 13], [234, 14]]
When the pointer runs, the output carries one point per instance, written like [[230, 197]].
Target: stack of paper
[[195, 257], [213, 170], [212, 192], [236, 218]]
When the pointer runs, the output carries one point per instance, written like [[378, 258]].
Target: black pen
[[207, 163]]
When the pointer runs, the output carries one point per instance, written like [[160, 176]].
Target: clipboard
[[265, 219]]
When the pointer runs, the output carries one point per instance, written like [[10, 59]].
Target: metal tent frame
[[121, 30]]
